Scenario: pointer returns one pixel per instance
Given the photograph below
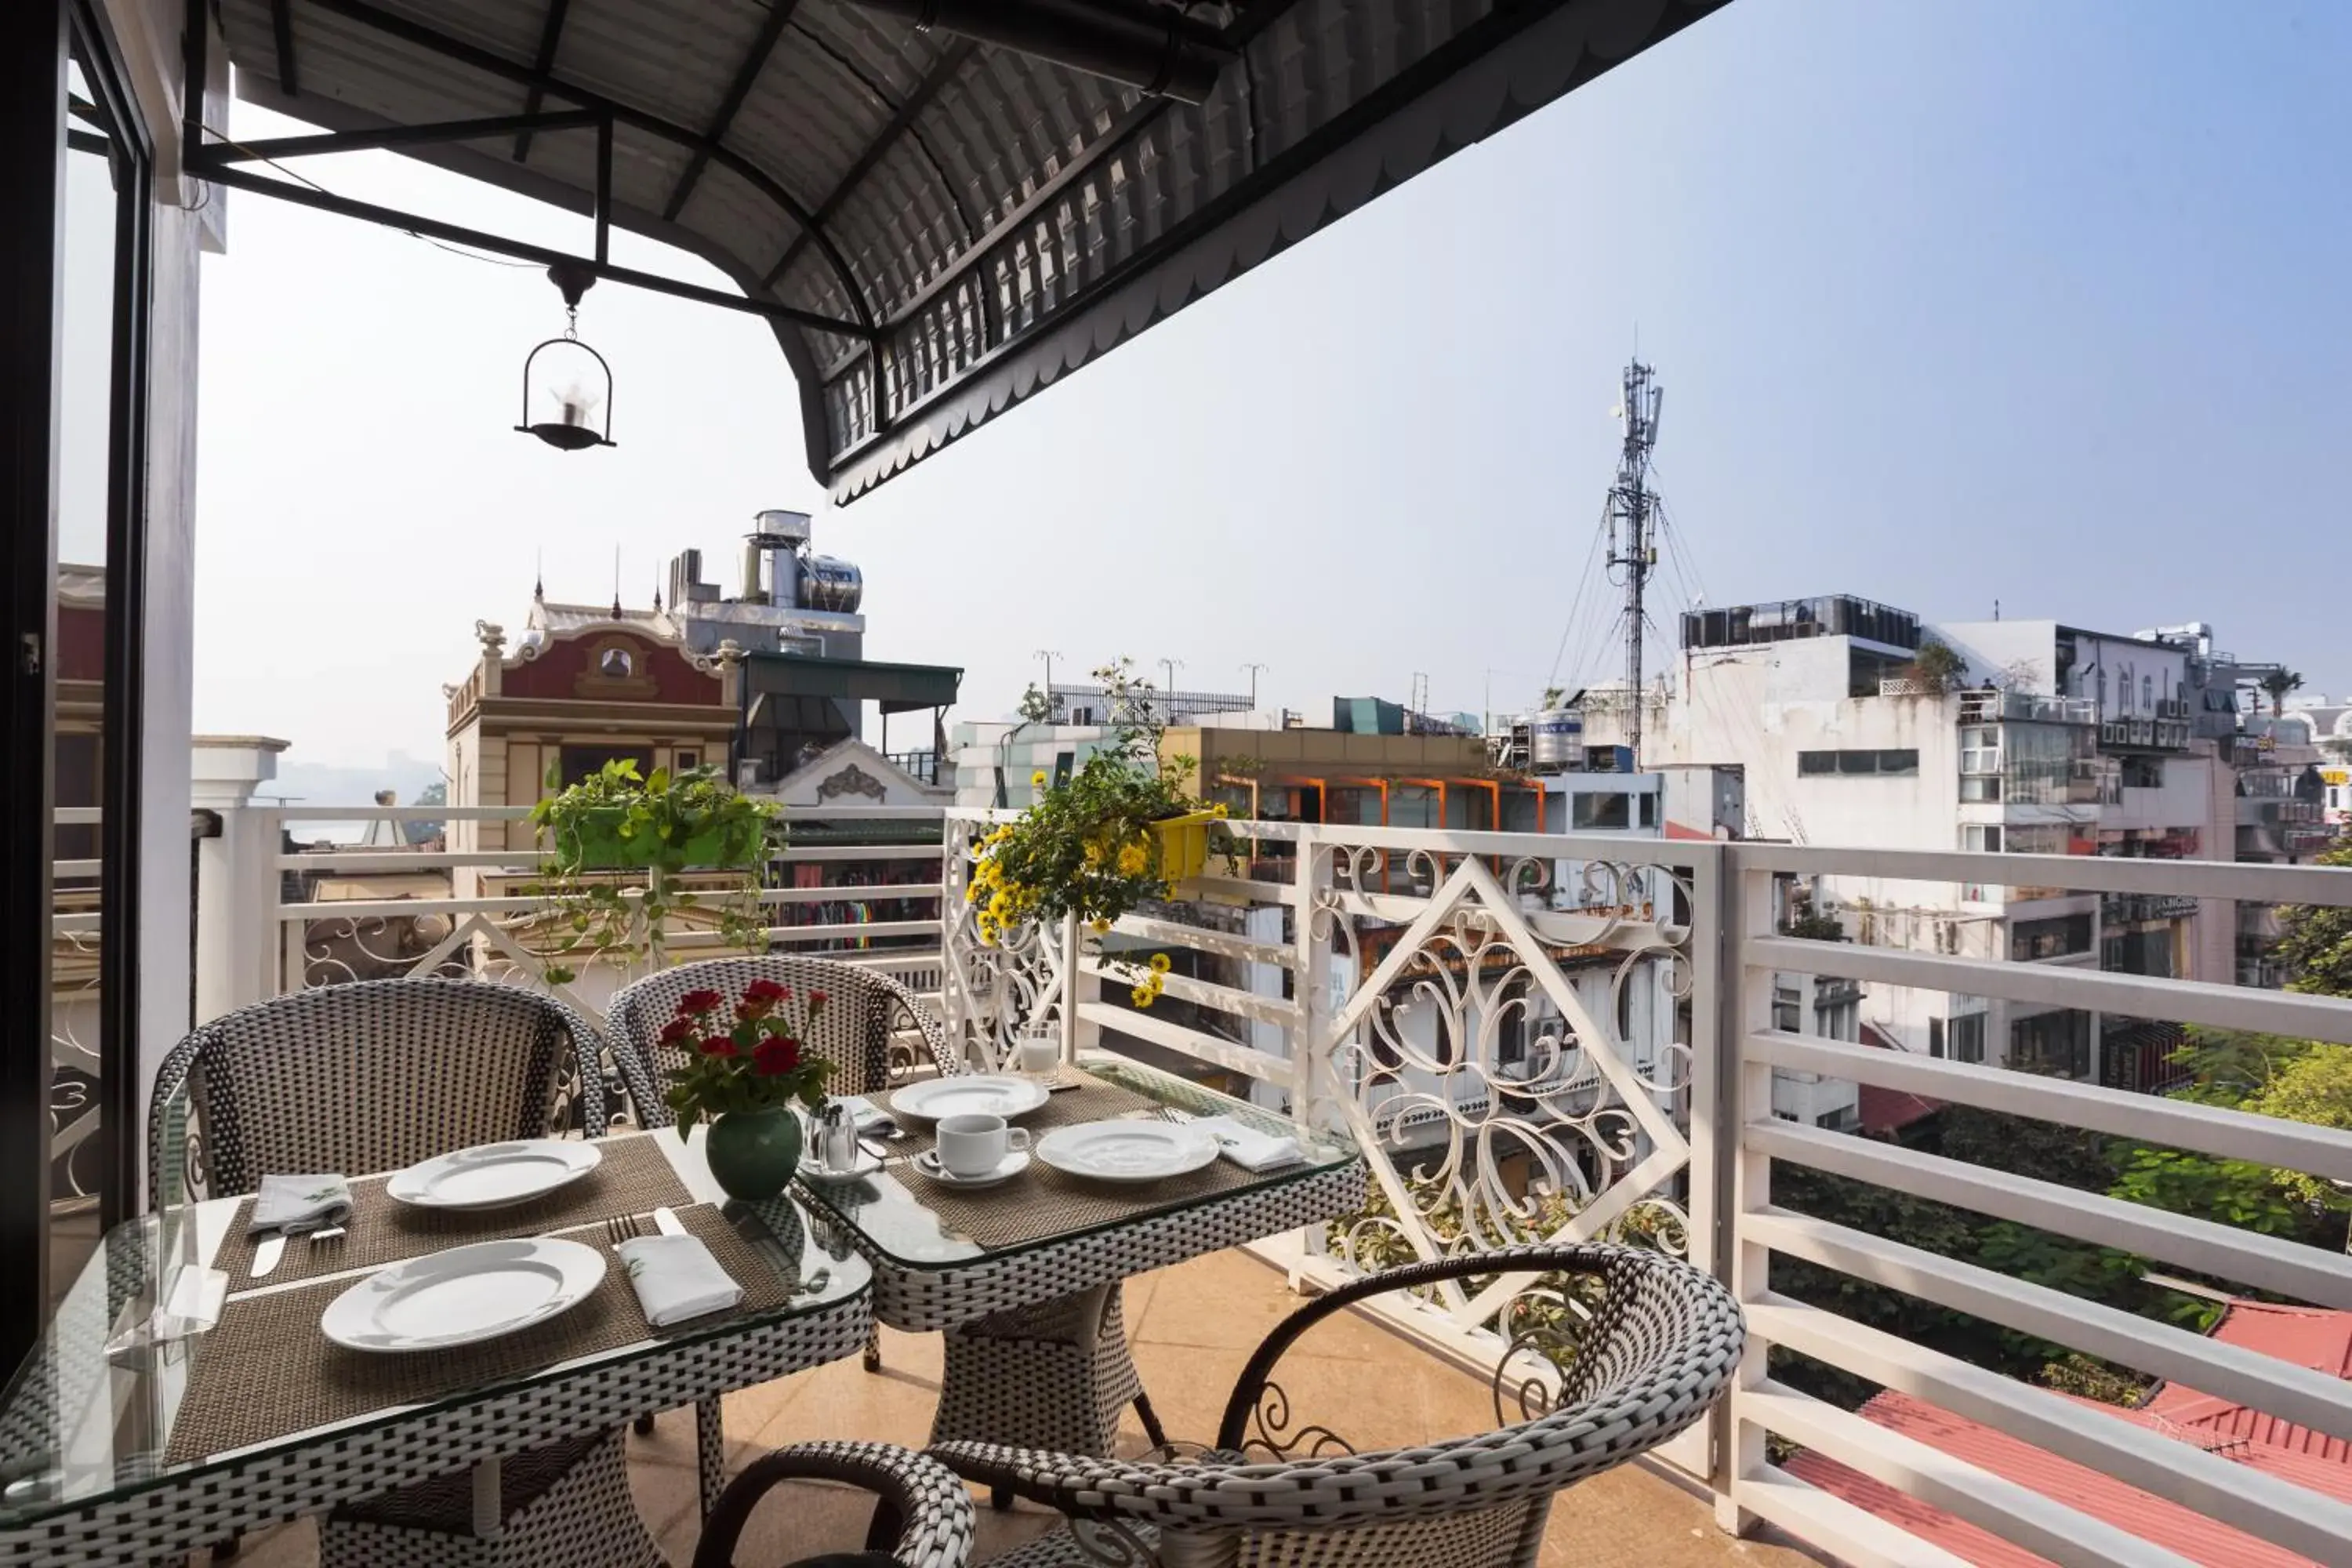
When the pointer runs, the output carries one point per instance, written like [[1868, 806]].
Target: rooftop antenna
[[616, 581], [1632, 506], [539, 573]]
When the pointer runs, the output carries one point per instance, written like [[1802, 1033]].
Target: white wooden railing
[[1687, 1126], [1492, 1016], [257, 942]]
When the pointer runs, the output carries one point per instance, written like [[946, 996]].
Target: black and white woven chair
[[864, 1011], [925, 1514], [1659, 1348], [375, 1076]]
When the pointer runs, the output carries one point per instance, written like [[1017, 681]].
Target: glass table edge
[[32, 1514]]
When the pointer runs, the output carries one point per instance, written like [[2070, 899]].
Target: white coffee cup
[[975, 1144], [1038, 1053]]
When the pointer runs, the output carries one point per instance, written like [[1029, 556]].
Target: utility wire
[[306, 179]]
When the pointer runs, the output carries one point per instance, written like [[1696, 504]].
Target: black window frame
[[38, 131]]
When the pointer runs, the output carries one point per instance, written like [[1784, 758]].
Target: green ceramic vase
[[753, 1154]]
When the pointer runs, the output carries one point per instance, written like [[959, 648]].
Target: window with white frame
[[1980, 748], [1980, 836]]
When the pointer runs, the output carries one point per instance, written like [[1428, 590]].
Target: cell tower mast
[[1633, 507]]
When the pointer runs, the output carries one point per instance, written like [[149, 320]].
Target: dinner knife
[[266, 1255], [668, 1223]]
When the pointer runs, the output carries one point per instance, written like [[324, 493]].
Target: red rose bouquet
[[746, 1058]]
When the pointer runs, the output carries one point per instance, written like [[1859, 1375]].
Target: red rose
[[776, 1055], [697, 1002], [678, 1031], [748, 1009], [719, 1046], [766, 991], [816, 998]]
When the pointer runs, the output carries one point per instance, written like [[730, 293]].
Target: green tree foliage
[[1937, 665], [2316, 943], [434, 793], [2063, 1155]]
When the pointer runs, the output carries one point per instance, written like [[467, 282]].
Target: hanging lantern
[[566, 384]]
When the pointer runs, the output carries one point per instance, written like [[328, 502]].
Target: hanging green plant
[[617, 822], [1122, 829]]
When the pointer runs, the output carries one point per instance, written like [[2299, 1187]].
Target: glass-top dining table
[[176, 1399], [1026, 1273]]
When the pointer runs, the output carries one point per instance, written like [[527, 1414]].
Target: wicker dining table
[[115, 1449], [1023, 1275]]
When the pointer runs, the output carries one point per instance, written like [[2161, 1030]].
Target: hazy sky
[[1954, 301]]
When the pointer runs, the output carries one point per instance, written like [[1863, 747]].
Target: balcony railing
[[1982, 707], [1690, 1140], [1500, 1061], [275, 937]]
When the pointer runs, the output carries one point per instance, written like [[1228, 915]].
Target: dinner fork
[[622, 1228]]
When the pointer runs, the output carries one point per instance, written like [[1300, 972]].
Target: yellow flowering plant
[[1087, 846]]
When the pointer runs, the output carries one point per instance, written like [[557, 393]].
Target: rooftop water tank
[[1555, 740], [828, 583]]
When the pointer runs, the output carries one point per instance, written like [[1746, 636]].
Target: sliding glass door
[[76, 194]]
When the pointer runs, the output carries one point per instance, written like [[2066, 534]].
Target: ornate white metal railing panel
[[1458, 1003]]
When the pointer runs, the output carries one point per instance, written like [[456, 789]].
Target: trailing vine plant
[[618, 821]]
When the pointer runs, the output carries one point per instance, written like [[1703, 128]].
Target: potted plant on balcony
[[1122, 829], [617, 821], [745, 1066]]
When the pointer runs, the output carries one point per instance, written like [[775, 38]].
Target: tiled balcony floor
[[1192, 1327]]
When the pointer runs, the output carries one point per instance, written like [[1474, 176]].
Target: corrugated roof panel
[[2150, 1517], [1153, 202]]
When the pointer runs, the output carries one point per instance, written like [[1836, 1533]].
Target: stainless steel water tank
[[1555, 740], [828, 584]]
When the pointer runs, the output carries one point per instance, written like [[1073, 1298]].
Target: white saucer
[[1014, 1161], [812, 1169]]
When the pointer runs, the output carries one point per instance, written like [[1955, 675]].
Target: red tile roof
[[2313, 1337], [1886, 1112], [2145, 1514]]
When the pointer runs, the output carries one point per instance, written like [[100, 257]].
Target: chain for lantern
[[577, 398]]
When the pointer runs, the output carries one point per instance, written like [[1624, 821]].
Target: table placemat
[[1092, 1101], [1042, 1202], [633, 1178], [266, 1370]]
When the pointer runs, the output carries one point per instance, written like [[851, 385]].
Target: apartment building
[[2033, 737]]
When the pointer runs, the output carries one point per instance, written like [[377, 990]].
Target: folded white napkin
[[297, 1205], [676, 1278], [1246, 1146]]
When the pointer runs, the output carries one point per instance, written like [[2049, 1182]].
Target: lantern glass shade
[[567, 395]]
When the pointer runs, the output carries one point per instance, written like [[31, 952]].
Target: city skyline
[[2025, 342]]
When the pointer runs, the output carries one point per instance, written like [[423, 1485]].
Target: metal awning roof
[[898, 688], [937, 227]]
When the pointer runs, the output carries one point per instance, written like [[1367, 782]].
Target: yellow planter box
[[1184, 845]]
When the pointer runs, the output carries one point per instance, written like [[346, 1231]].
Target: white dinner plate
[[1126, 1150], [990, 1094], [495, 1174], [464, 1295]]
